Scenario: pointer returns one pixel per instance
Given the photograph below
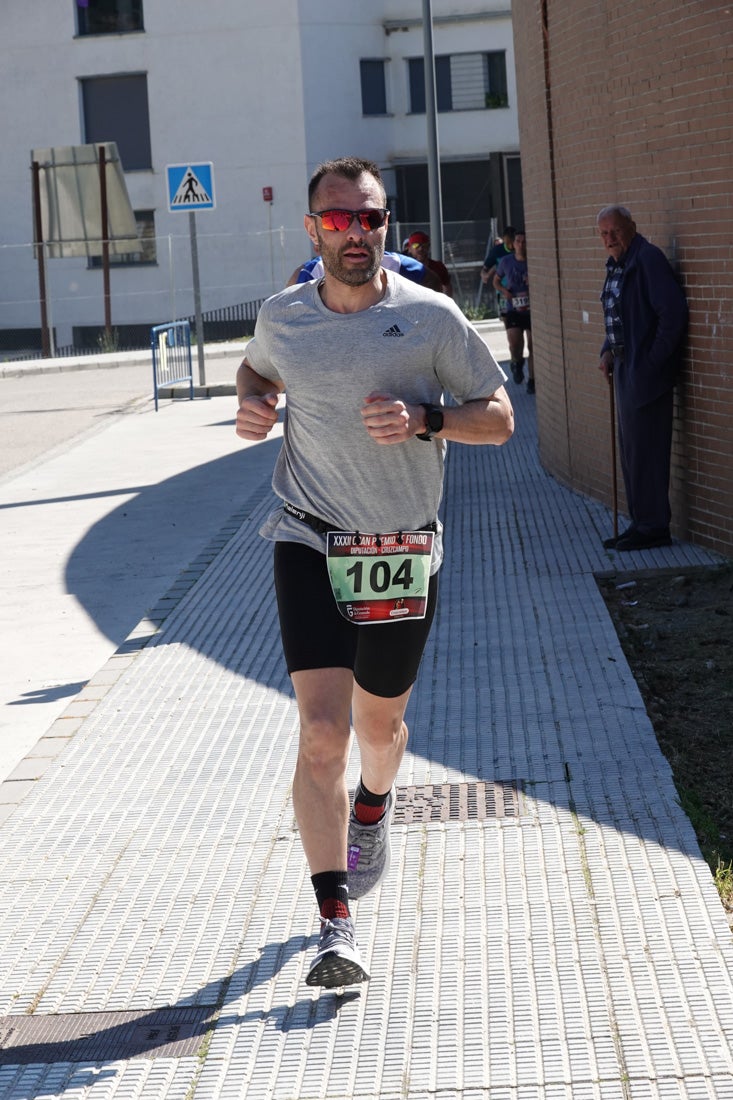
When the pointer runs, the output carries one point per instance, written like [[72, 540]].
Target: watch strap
[[434, 413]]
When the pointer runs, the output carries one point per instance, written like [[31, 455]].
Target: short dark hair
[[348, 167], [509, 231]]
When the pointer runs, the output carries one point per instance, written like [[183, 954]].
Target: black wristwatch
[[434, 421]]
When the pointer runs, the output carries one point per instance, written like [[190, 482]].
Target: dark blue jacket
[[654, 316]]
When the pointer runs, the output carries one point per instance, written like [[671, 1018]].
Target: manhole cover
[[103, 1036], [457, 802]]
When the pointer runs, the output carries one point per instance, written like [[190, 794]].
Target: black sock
[[332, 893]]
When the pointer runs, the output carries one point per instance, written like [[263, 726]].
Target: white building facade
[[264, 92]]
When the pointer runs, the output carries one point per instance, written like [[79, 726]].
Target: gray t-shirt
[[413, 344]]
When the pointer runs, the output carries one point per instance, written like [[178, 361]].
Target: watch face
[[434, 418]]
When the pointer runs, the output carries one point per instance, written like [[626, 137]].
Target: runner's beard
[[345, 273]]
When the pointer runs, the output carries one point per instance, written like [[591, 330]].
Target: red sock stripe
[[332, 908], [368, 815]]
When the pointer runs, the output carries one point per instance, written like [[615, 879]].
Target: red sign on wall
[[267, 194]]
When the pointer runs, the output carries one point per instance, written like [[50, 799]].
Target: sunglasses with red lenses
[[340, 220]]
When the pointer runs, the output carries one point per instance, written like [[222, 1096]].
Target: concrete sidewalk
[[94, 532], [548, 928]]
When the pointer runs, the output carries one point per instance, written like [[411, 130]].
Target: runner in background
[[391, 261], [418, 246], [512, 283]]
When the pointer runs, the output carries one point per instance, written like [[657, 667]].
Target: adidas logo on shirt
[[393, 331]]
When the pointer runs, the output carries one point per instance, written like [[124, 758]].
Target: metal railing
[[172, 362]]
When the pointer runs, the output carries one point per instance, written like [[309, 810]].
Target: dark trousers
[[645, 446]]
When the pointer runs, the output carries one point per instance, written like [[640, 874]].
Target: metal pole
[[272, 250], [172, 280], [197, 297], [45, 339], [283, 272], [105, 243], [431, 115]]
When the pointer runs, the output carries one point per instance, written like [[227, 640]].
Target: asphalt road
[[42, 412]]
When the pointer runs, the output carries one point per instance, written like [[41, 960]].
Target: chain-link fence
[[236, 272]]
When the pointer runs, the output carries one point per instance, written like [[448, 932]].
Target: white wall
[[336, 35], [226, 90], [264, 91]]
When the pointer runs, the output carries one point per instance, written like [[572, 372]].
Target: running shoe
[[369, 851], [337, 960]]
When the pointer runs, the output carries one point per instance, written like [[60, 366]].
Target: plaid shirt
[[610, 296]]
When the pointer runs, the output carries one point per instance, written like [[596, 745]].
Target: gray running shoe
[[337, 960], [369, 851]]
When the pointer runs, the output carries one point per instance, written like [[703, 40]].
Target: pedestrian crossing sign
[[190, 186]]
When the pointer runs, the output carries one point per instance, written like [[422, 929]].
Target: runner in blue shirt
[[392, 261], [511, 281]]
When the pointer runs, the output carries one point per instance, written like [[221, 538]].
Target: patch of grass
[[704, 824], [480, 312], [724, 882]]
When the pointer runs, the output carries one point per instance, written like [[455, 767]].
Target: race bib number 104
[[380, 578]]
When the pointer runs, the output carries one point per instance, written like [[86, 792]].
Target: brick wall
[[630, 101]]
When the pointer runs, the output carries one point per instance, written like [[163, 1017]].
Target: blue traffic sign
[[190, 186]]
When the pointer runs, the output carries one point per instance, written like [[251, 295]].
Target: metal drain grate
[[457, 802], [103, 1036]]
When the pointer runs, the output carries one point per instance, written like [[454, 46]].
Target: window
[[145, 220], [495, 79], [109, 16], [463, 82], [116, 109], [417, 84], [373, 88]]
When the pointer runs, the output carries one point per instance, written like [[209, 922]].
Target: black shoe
[[611, 543], [517, 371], [530, 385], [638, 540]]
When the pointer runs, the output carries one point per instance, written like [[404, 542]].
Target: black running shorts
[[517, 318], [384, 657]]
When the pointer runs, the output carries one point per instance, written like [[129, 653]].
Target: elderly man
[[645, 313]]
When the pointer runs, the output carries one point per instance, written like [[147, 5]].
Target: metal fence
[[171, 348], [155, 287]]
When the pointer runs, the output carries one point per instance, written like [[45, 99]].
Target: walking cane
[[614, 482]]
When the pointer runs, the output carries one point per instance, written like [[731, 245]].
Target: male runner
[[364, 357]]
